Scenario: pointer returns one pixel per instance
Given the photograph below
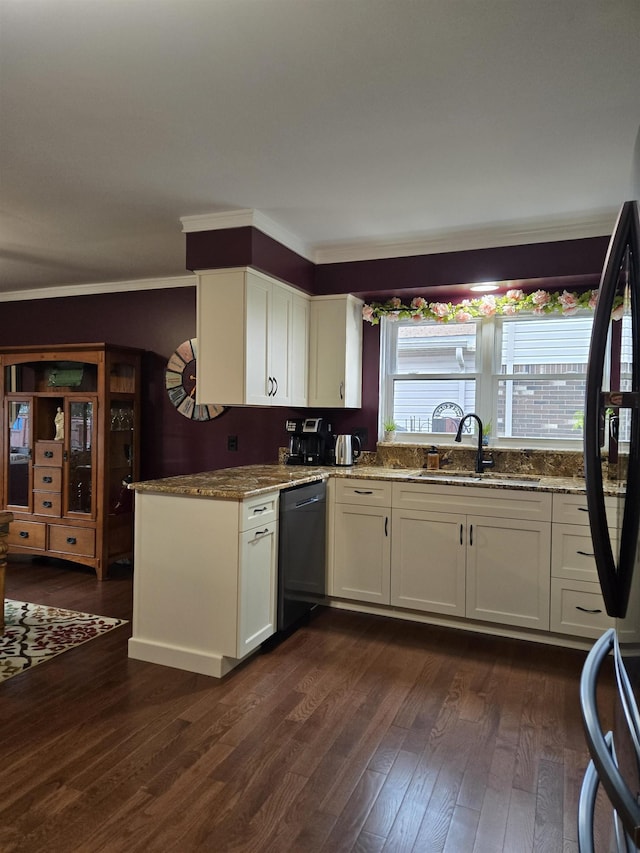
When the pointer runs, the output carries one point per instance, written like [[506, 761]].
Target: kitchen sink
[[473, 477]]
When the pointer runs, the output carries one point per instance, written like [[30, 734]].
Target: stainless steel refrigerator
[[612, 439]]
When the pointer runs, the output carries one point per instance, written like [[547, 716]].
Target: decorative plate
[[180, 382]]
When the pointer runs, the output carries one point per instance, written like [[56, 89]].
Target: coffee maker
[[310, 441]]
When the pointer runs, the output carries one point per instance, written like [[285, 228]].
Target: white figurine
[[59, 422]]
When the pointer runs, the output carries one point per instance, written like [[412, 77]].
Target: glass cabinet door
[[80, 496], [20, 430], [121, 441]]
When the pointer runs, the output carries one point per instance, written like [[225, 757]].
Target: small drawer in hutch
[[47, 479], [47, 503], [72, 540], [27, 533], [48, 453]]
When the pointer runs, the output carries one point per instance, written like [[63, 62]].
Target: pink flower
[[418, 302], [509, 309], [367, 313], [540, 298], [569, 302], [418, 318], [618, 312], [465, 303], [515, 294], [393, 316], [593, 299], [440, 309], [539, 311], [395, 302], [462, 316], [487, 306]]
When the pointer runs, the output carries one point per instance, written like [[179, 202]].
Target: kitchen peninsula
[[446, 547]]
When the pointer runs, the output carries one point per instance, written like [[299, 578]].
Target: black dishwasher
[[301, 551]]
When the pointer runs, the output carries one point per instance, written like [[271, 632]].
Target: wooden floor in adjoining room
[[357, 733]]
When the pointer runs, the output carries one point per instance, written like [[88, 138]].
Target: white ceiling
[[349, 123]]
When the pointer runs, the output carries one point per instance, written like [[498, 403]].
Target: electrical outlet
[[232, 442], [363, 435]]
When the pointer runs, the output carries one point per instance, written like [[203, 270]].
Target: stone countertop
[[235, 484], [249, 480]]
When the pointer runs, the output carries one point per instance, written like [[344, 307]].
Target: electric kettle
[[347, 449]]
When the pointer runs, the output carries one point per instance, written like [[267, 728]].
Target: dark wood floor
[[356, 733]]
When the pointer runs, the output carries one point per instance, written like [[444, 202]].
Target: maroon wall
[[157, 321]]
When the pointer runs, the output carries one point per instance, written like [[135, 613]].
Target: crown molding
[[600, 224], [216, 221], [93, 289], [594, 224], [242, 218]]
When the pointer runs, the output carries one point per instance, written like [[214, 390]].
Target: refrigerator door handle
[[604, 762], [615, 580]]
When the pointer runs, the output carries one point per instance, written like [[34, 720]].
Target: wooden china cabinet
[[70, 438]]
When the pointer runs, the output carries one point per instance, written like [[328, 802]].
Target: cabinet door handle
[[71, 540], [586, 609], [261, 532], [363, 491], [259, 509], [471, 534], [270, 386], [47, 504], [342, 390], [47, 479], [275, 382], [386, 525], [585, 554], [23, 534], [461, 529], [48, 454], [583, 509]]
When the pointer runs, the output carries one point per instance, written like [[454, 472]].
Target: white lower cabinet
[[256, 582], [204, 588], [496, 570], [480, 554], [428, 561], [361, 548], [577, 605], [508, 571], [577, 608]]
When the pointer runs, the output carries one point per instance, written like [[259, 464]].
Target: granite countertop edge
[[248, 481]]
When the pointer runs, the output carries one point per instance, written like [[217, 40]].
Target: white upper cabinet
[[252, 340], [335, 352]]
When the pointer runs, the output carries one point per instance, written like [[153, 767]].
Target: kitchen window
[[524, 376]]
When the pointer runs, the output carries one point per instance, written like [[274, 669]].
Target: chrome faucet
[[481, 462]]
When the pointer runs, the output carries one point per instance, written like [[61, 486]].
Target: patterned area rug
[[34, 633]]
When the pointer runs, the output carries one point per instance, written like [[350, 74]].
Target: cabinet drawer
[[47, 503], [363, 492], [572, 509], [577, 608], [497, 503], [259, 510], [27, 533], [572, 553], [72, 540], [47, 479], [48, 453]]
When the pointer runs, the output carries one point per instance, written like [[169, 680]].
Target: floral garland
[[513, 302]]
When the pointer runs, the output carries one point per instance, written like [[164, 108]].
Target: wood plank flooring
[[356, 733]]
